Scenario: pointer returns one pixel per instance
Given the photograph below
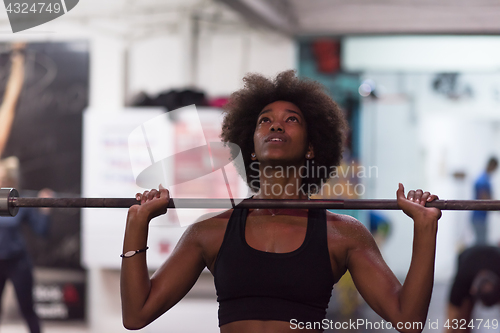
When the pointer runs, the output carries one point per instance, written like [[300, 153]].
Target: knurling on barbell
[[10, 202]]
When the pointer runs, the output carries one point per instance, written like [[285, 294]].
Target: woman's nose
[[276, 126]]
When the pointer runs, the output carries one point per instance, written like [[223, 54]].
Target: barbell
[[10, 202]]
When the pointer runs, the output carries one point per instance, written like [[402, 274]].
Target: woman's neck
[[281, 182]]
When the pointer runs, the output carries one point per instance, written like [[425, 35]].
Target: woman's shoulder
[[211, 221], [208, 234], [209, 226], [346, 227], [345, 234], [342, 221]]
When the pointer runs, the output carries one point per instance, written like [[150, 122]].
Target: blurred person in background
[[477, 279], [12, 93], [483, 191], [15, 264]]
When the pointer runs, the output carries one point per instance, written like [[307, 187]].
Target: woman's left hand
[[414, 204]]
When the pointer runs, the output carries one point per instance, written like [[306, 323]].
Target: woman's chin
[[282, 160]]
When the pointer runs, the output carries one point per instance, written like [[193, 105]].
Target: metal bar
[[376, 204]]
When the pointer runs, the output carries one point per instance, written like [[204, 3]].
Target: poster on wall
[[45, 136], [44, 89]]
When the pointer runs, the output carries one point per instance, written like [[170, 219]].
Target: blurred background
[[419, 82]]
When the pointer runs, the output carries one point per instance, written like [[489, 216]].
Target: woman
[[274, 269], [15, 263]]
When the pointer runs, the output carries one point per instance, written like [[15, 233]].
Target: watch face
[[129, 254]]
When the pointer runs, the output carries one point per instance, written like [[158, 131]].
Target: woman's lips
[[275, 141], [275, 138]]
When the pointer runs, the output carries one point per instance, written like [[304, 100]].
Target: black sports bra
[[257, 285]]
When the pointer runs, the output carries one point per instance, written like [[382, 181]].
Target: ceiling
[[293, 17], [345, 17], [132, 19]]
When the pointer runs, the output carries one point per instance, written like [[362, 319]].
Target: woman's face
[[281, 134]]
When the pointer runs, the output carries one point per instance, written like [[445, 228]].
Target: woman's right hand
[[153, 203], [144, 298]]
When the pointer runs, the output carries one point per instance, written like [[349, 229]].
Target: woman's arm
[[145, 299], [11, 95], [405, 304]]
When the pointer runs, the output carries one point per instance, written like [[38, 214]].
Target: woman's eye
[[264, 119], [293, 118]]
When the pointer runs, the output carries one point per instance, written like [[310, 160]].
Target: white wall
[[225, 58], [389, 147], [423, 138], [445, 136], [421, 53], [156, 64]]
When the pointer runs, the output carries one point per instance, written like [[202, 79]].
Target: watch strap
[[132, 253]]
